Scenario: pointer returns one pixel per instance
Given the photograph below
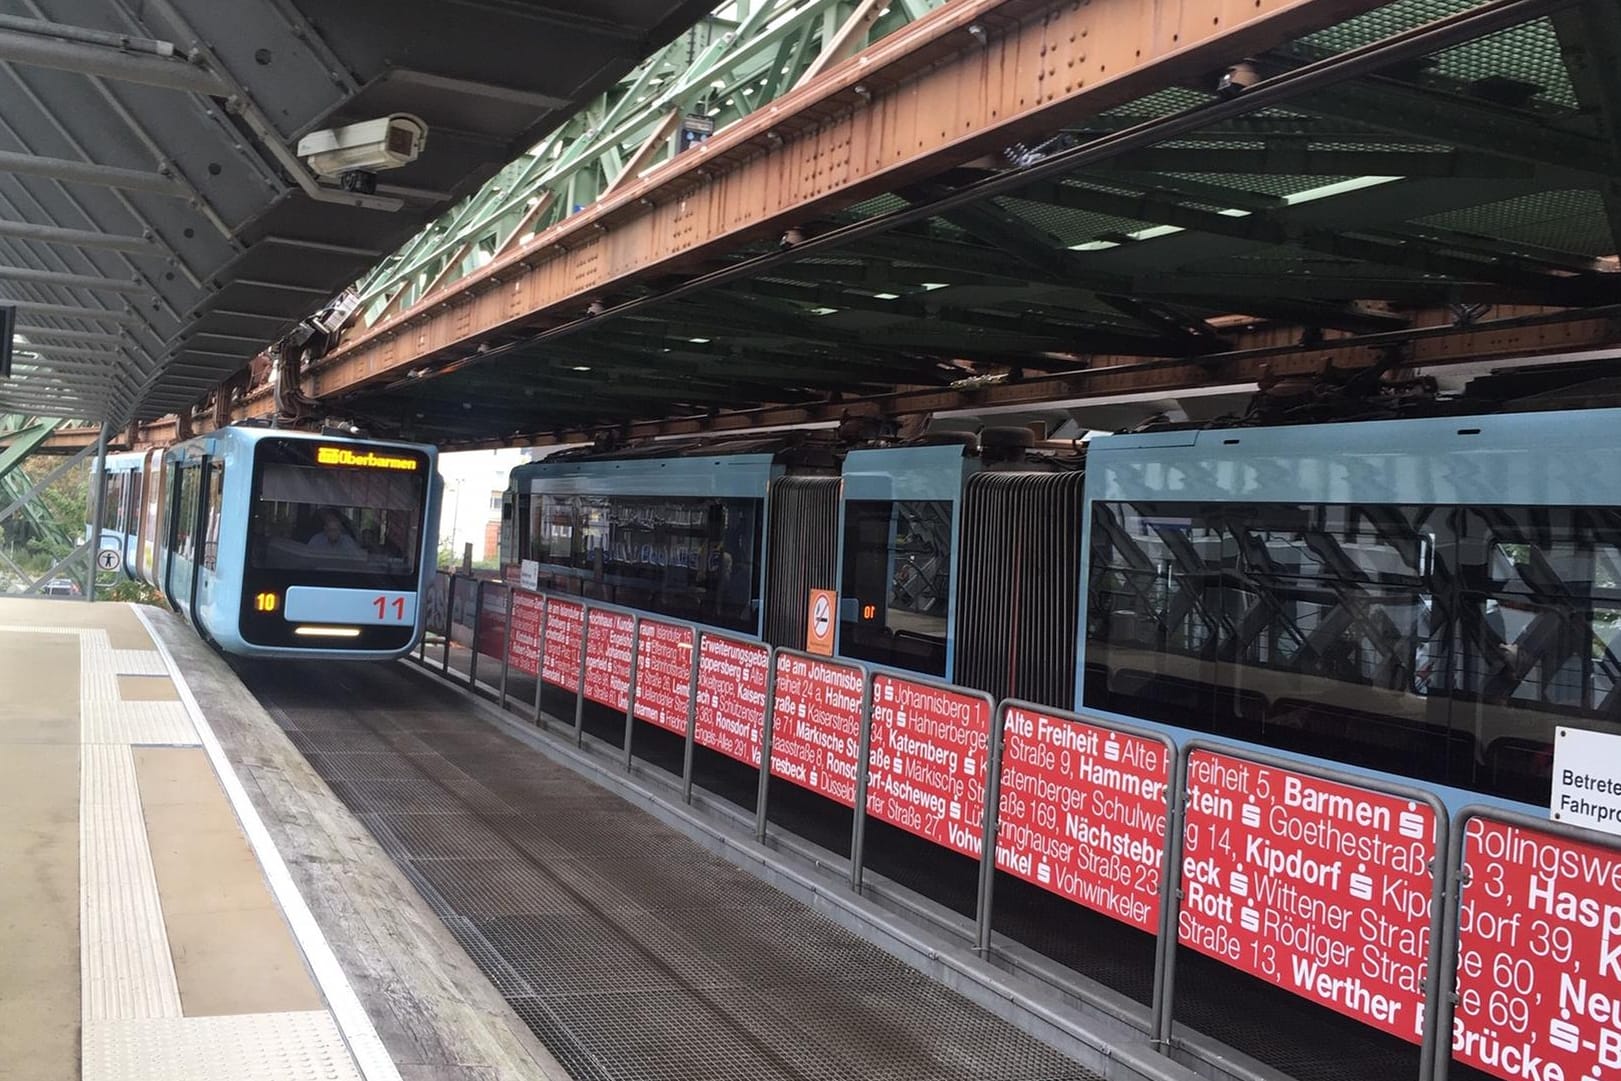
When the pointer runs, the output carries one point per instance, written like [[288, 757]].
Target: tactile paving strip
[[104, 717], [141, 723], [303, 1046], [125, 967], [130, 1008], [630, 951], [138, 662]]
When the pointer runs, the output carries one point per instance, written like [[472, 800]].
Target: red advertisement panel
[[816, 726], [926, 767], [663, 675], [1320, 888], [1539, 956], [732, 678], [1083, 813], [607, 665], [562, 659], [523, 648]]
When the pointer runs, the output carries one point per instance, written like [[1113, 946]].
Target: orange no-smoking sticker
[[819, 622]]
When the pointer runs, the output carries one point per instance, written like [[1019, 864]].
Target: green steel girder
[[747, 53], [24, 436]]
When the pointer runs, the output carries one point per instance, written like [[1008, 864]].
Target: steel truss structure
[[28, 518], [996, 203], [736, 61], [1026, 188]]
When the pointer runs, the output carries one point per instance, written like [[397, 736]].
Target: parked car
[[61, 587]]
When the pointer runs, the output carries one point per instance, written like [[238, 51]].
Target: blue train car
[[282, 543], [680, 530], [735, 533], [1424, 598]]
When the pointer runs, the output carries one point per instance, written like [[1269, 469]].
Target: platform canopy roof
[[1396, 170], [157, 229]]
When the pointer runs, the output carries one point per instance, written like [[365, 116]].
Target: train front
[[340, 537]]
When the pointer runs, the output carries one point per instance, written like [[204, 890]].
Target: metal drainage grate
[[632, 953]]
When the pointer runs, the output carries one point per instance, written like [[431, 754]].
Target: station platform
[[344, 871], [183, 899]]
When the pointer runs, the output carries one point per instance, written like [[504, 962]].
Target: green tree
[[48, 529]]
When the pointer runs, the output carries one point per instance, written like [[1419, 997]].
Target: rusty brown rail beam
[[1433, 341], [968, 79], [1435, 344], [1516, 334]]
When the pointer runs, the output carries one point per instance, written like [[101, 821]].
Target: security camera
[[1237, 79], [353, 154]]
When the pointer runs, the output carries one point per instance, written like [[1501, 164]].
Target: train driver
[[333, 538]]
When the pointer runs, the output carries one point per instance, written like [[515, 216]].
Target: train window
[[185, 530], [112, 502], [326, 519], [1538, 635], [130, 514], [216, 496], [1435, 642], [693, 558], [896, 587]]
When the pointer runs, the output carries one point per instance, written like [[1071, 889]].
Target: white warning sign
[[1586, 779]]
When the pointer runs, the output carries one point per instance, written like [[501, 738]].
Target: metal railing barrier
[[1259, 835], [1219, 846]]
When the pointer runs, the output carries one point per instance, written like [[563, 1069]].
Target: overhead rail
[[1000, 189], [738, 61]]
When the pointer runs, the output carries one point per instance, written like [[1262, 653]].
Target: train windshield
[[364, 520]]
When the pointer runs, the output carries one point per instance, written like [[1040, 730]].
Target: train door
[[180, 580], [210, 497], [130, 518], [509, 525], [152, 493]]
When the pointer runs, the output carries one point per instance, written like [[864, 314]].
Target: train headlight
[[312, 631]]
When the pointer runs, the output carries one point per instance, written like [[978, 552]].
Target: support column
[[98, 498]]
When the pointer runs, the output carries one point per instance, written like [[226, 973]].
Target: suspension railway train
[[281, 543], [1423, 597]]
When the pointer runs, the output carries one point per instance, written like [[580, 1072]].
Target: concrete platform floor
[[150, 924]]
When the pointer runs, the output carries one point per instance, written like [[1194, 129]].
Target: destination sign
[[816, 726], [927, 762], [1539, 956], [732, 677], [1082, 813], [1321, 888]]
